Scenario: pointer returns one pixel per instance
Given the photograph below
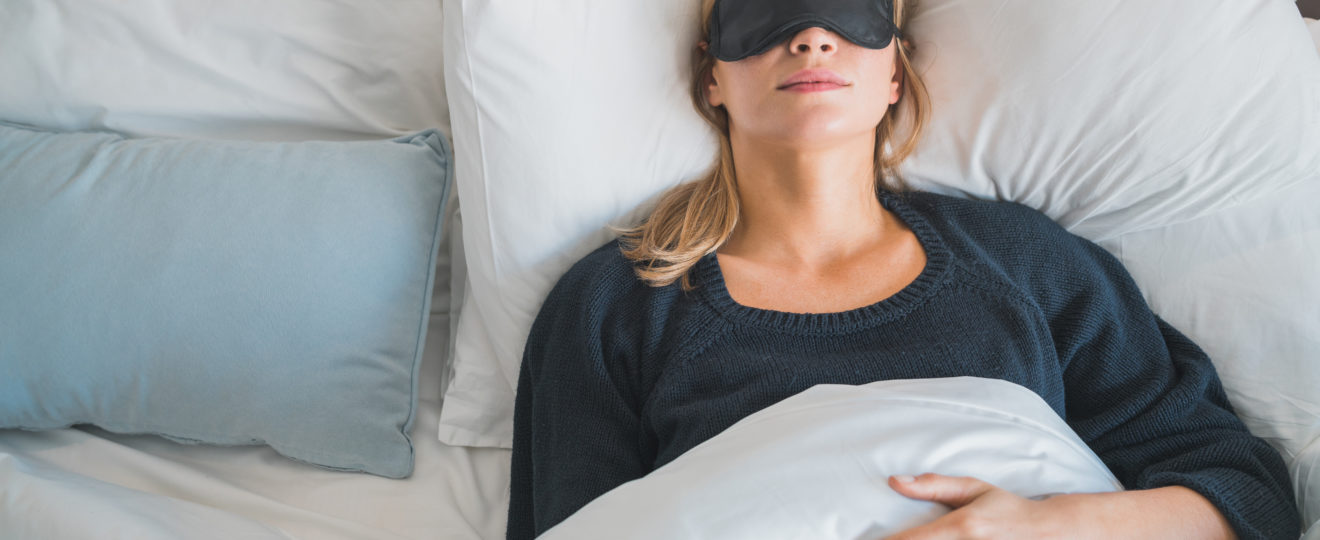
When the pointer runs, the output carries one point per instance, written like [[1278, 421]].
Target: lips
[[823, 78]]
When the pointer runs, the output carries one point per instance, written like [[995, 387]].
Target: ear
[[896, 81], [714, 96]]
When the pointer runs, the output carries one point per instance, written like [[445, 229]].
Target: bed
[[507, 149]]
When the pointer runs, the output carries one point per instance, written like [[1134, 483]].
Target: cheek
[[881, 84], [741, 77], [740, 87], [874, 102]]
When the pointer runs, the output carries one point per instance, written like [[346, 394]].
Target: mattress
[[146, 487]]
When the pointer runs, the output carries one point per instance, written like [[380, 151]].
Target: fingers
[[953, 491], [936, 530]]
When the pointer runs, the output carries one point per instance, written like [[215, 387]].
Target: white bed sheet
[[85, 482]]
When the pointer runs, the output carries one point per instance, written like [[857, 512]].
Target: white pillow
[[816, 464], [1314, 26], [1117, 116], [566, 122], [563, 122], [238, 69]]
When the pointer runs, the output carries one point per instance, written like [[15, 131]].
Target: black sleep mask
[[742, 28]]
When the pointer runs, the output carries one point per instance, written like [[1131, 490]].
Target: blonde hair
[[696, 218]]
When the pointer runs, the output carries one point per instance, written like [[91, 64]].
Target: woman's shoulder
[[1018, 240], [604, 269], [605, 266], [981, 216], [604, 280], [988, 227], [601, 300]]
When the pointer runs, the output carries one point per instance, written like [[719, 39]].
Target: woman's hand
[[980, 510], [983, 511]]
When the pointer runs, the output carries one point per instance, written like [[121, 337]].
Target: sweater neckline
[[711, 283]]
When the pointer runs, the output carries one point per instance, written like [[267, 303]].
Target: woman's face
[[763, 102]]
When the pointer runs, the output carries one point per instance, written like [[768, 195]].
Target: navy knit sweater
[[618, 378]]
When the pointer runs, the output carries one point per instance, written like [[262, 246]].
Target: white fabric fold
[[816, 464]]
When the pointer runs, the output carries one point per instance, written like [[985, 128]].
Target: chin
[[822, 132]]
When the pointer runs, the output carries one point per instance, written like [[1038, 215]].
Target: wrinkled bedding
[[816, 464], [84, 482]]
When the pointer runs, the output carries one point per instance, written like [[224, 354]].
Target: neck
[[806, 206]]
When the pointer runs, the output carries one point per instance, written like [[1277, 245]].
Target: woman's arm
[[981, 510], [577, 431], [1167, 512], [1147, 400]]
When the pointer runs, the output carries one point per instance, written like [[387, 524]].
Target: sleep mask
[[742, 28]]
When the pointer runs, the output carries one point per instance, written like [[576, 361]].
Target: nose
[[814, 39]]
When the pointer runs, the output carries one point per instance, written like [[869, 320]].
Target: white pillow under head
[[1314, 26]]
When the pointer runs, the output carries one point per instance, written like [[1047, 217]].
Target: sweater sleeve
[[1149, 402], [576, 428]]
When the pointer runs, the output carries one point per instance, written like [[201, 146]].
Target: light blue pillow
[[229, 293]]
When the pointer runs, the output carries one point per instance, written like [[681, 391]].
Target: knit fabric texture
[[619, 378]]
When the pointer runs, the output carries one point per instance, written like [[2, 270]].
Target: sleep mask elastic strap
[[742, 28]]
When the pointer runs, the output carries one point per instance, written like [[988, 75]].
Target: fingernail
[[904, 478]]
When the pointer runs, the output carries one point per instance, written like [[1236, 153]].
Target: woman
[[801, 260]]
